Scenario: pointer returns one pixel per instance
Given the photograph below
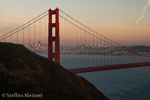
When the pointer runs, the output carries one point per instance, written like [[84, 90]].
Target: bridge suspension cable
[[22, 27], [81, 48], [103, 51]]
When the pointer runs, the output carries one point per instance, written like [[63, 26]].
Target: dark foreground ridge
[[24, 74]]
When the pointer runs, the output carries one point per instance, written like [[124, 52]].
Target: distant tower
[[39, 43]]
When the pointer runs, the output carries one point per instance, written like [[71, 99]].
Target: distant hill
[[141, 48], [23, 71]]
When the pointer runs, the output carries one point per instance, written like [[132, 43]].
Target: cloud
[[144, 10], [6, 27], [119, 25], [0, 12]]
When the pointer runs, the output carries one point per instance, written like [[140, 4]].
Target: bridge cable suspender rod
[[24, 24], [22, 28], [105, 41], [97, 33]]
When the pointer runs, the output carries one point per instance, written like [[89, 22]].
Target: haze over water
[[122, 84], [123, 21]]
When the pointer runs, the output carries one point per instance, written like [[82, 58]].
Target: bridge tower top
[[51, 46]]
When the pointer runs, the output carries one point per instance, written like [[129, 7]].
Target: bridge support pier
[[53, 55]]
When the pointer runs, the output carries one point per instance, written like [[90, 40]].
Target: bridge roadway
[[109, 67]]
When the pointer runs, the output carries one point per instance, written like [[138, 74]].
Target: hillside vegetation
[[23, 71]]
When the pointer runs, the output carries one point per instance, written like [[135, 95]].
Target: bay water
[[121, 84]]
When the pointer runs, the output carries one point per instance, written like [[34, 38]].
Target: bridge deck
[[110, 67]]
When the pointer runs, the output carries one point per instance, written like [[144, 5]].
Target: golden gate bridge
[[58, 34]]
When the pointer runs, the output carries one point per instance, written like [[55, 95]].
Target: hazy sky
[[124, 21]]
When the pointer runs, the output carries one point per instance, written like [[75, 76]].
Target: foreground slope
[[23, 71]]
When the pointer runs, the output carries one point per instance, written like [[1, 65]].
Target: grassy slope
[[22, 71]]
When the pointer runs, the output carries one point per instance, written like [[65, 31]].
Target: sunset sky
[[124, 21]]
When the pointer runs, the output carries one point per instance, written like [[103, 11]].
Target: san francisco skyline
[[124, 21]]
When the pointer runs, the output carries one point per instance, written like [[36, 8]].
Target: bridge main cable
[[22, 25], [21, 28], [97, 33]]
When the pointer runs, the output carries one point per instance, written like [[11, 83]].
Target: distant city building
[[39, 43]]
